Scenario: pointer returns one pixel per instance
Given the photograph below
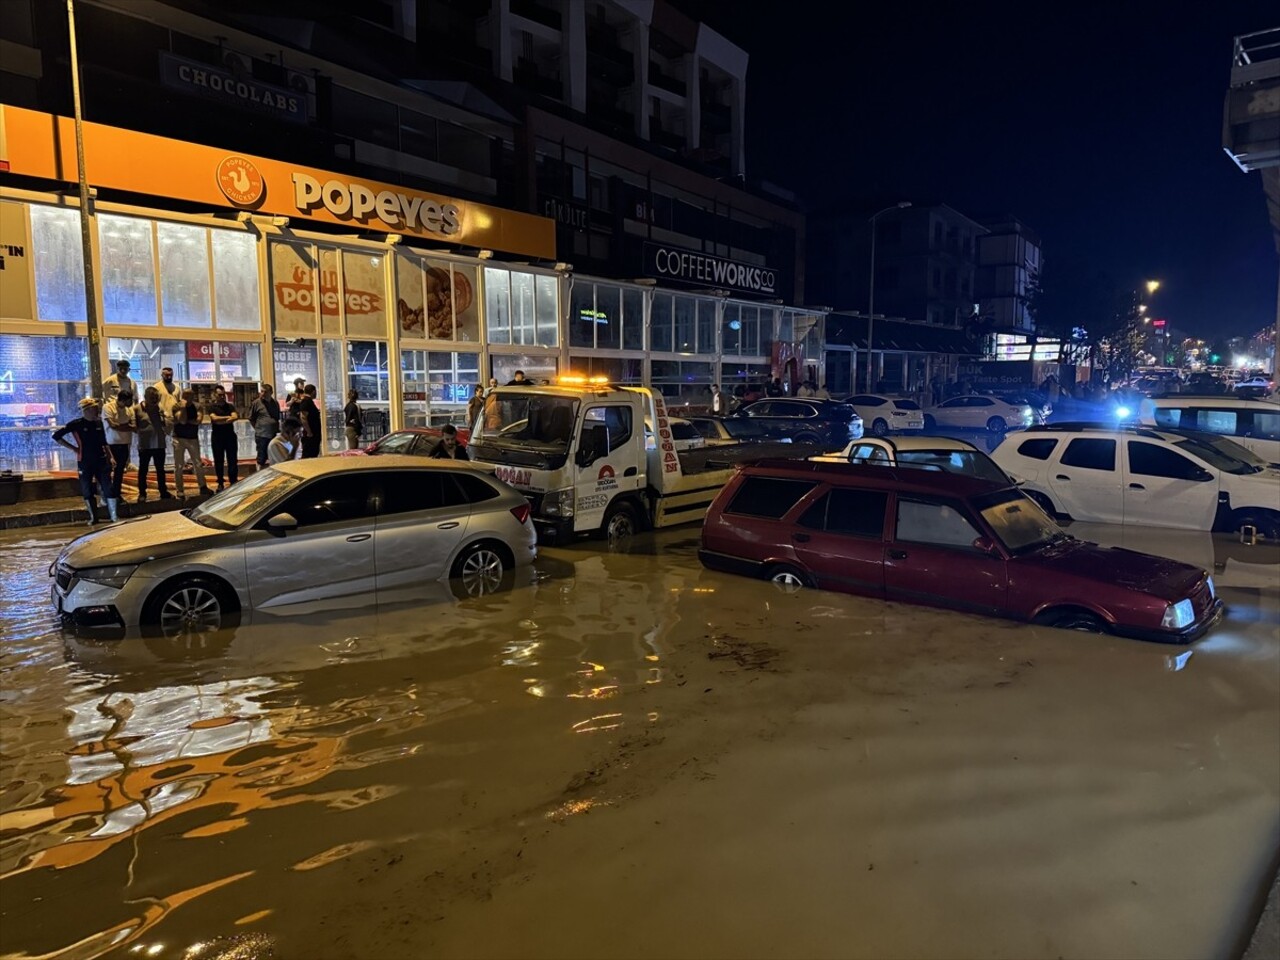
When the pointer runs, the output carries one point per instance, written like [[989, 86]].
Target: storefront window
[[521, 308], [628, 371], [235, 280], [452, 378], [41, 382], [58, 256], [541, 368], [686, 335], [128, 270], [184, 275], [293, 289], [736, 377], [332, 395], [582, 316], [609, 317], [363, 295], [731, 329], [632, 319], [768, 324], [684, 383], [660, 323], [368, 374], [413, 387], [706, 326]]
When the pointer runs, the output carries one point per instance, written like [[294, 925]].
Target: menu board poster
[[410, 313], [363, 296], [293, 290]]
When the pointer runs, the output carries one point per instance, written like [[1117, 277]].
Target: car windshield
[[968, 463], [533, 421], [243, 500], [394, 443], [1019, 522], [1221, 453]]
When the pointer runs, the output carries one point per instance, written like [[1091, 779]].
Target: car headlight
[[108, 576], [1213, 590], [558, 503], [1178, 615]]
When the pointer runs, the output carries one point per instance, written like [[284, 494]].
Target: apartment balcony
[[1251, 118], [665, 81], [716, 117], [612, 65], [664, 137], [526, 74]]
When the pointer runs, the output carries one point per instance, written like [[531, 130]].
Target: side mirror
[[282, 522], [1202, 475], [984, 545]]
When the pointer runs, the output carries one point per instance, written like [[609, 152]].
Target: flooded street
[[624, 755]]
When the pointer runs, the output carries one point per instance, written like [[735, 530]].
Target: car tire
[[808, 438], [1044, 502], [787, 578], [1075, 619], [930, 424], [620, 526], [997, 425], [189, 607], [879, 427], [1267, 525], [481, 569]]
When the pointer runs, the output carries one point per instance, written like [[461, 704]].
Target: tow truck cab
[[576, 450]]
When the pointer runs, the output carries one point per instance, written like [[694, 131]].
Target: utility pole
[[86, 225]]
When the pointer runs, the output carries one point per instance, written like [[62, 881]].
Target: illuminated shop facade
[[409, 298]]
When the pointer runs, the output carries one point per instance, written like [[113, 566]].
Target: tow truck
[[577, 450]]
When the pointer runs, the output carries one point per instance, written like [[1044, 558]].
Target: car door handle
[[1062, 476], [897, 554], [358, 537], [1136, 486], [800, 537], [446, 526], [630, 472]]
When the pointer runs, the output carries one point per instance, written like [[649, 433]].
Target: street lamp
[[871, 286], [1153, 286]]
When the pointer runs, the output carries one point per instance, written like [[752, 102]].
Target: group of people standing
[[165, 416]]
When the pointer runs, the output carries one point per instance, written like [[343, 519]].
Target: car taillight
[[521, 512]]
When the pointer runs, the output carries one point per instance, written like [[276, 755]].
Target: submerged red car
[[936, 538], [411, 441]]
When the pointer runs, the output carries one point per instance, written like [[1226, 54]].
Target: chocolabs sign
[[214, 83], [690, 266]]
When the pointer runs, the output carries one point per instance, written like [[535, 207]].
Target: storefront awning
[[851, 330]]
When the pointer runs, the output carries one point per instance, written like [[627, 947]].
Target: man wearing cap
[[118, 381], [93, 456]]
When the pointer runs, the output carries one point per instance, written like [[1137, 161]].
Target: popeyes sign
[[43, 146], [298, 293]]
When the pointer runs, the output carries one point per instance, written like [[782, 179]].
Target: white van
[[1254, 424]]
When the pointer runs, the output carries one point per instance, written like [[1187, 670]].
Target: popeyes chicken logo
[[240, 181], [298, 294]]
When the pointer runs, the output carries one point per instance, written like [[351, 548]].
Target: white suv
[[1163, 478]]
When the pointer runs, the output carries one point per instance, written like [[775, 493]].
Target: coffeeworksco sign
[[41, 145], [703, 269]]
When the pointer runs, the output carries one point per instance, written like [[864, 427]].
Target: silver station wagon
[[299, 532]]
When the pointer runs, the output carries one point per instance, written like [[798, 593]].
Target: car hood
[[139, 540], [1168, 579]]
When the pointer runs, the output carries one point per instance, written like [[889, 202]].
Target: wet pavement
[[624, 755]]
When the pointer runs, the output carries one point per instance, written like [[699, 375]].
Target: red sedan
[[412, 441], [920, 536]]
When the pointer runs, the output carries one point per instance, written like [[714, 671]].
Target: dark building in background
[[621, 121], [1008, 264], [925, 263]]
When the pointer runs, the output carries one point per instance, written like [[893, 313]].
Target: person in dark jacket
[[264, 415], [93, 455], [310, 416], [447, 447], [152, 437], [353, 419], [223, 417]]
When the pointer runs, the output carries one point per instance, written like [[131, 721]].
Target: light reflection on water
[[117, 749]]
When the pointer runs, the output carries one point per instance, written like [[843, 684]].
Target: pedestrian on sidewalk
[[354, 419], [222, 430], [121, 423], [93, 456], [170, 395], [264, 415], [284, 445], [152, 433], [186, 443], [309, 414], [475, 406], [117, 382]]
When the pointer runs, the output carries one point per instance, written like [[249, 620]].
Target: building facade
[[1008, 267]]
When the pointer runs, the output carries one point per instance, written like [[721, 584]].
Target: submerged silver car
[[297, 532]]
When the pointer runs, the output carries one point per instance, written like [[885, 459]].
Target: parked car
[[885, 414], [1254, 424], [1255, 387], [927, 453], [684, 436], [1040, 406], [978, 412], [298, 532], [802, 420], [1162, 478], [411, 442], [729, 431], [948, 541]]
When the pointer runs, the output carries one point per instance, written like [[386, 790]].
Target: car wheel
[[997, 425], [191, 607], [787, 579], [1044, 503], [879, 427], [1268, 526], [930, 423], [619, 526], [1081, 620], [479, 570], [807, 438]]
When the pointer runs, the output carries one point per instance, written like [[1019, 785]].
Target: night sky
[[1099, 126]]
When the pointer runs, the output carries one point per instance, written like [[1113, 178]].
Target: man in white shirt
[[118, 381], [718, 406], [284, 445], [120, 420], [170, 394]]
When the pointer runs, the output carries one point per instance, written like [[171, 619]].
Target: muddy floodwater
[[624, 755]]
